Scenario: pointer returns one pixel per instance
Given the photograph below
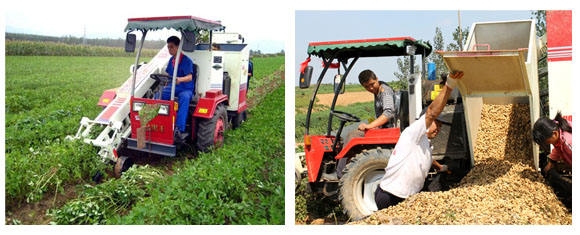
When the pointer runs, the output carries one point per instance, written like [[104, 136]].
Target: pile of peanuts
[[501, 188]]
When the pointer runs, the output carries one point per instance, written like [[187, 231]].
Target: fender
[[315, 146], [373, 137], [107, 97], [206, 106], [242, 105]]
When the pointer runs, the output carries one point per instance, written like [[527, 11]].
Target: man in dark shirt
[[384, 110], [250, 71]]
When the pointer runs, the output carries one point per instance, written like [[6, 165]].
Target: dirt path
[[35, 213], [345, 99], [272, 83]]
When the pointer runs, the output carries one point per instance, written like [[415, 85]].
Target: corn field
[[30, 48]]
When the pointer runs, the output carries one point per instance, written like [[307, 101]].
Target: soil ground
[[346, 98]]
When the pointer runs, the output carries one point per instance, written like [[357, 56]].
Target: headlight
[[137, 106], [164, 109]]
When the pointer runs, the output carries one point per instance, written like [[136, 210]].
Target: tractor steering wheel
[[347, 117], [163, 78]]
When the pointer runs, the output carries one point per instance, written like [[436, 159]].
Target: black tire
[[238, 120], [206, 129], [123, 164], [366, 168]]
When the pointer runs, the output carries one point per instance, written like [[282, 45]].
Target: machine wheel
[[297, 179], [360, 179], [210, 132], [123, 164], [238, 120]]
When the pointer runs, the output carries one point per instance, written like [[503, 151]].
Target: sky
[[320, 26], [107, 19]]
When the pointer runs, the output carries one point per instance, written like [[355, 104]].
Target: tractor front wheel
[[297, 179], [359, 181], [211, 131]]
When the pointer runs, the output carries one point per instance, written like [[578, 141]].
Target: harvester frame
[[220, 78]]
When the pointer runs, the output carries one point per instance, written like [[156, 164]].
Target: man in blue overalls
[[184, 88]]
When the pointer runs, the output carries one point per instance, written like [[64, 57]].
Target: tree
[[404, 71], [438, 45], [542, 59], [540, 22], [202, 37], [454, 46]]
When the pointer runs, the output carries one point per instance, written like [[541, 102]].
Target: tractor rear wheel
[[239, 119], [211, 131], [359, 181], [123, 164]]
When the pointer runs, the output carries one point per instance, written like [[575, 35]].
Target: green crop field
[[319, 116], [30, 48], [46, 96], [45, 99]]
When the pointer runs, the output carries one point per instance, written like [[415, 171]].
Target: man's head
[[369, 81], [435, 126], [434, 129], [173, 45]]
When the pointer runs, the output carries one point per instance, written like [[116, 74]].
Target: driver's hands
[[364, 126], [453, 79], [177, 80]]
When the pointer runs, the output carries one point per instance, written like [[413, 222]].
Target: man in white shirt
[[411, 160]]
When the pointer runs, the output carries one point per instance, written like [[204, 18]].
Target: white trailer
[[501, 67]]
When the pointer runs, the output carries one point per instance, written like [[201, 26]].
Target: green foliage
[[241, 183], [457, 45], [264, 66], [45, 99], [264, 75], [107, 42], [319, 120], [47, 96], [404, 71], [148, 113], [30, 174], [541, 30], [438, 45], [540, 22], [97, 204], [30, 48]]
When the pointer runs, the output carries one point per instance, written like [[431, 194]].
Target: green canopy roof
[[367, 47], [187, 23]]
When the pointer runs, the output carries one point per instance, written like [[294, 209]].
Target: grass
[[328, 88], [264, 66], [319, 119], [241, 183], [45, 99]]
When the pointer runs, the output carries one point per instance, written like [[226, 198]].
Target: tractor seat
[[196, 96]]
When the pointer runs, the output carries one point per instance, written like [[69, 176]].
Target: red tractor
[[368, 156], [220, 77]]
